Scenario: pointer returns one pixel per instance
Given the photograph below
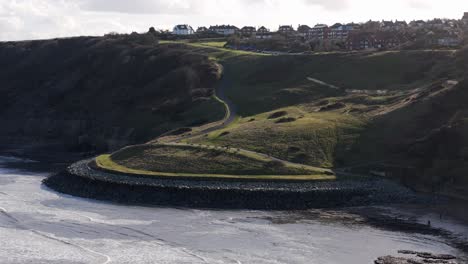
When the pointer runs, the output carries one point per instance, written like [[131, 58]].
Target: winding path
[[229, 118]]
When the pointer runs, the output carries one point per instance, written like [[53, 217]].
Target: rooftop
[[182, 27]]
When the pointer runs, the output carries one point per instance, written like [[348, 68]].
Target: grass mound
[[202, 161], [313, 138]]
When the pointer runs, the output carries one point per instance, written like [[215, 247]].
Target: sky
[[39, 19]]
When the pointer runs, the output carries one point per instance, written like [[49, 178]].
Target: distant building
[[465, 19], [263, 33], [417, 24], [386, 40], [183, 30], [320, 31], [400, 25], [435, 24], [371, 25], [359, 41], [248, 31], [340, 32], [449, 41], [224, 30], [304, 31], [373, 40], [286, 30], [387, 25], [202, 30]]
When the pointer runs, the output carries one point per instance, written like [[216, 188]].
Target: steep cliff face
[[85, 94]]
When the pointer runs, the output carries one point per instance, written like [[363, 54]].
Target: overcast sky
[[36, 19]]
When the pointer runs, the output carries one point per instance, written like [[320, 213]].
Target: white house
[[183, 30]]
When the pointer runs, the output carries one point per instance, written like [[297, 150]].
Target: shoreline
[[379, 215]]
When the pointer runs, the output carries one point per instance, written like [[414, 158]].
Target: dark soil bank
[[80, 180]]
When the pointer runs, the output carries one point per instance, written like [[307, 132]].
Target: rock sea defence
[[84, 180]]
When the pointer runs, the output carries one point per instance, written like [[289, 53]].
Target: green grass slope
[[264, 83], [203, 162], [297, 135], [331, 110]]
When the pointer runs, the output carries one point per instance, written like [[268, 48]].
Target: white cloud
[[139, 6], [332, 5], [26, 19]]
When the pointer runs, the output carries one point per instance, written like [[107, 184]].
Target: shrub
[[225, 133], [277, 114], [285, 120]]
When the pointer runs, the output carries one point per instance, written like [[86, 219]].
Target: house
[[449, 41], [320, 31], [400, 25], [286, 30], [263, 30], [449, 25], [363, 40], [465, 19], [339, 31], [360, 41], [304, 31], [202, 30], [248, 31], [435, 24], [224, 30], [387, 25], [386, 40], [371, 25], [183, 30], [417, 24], [263, 33]]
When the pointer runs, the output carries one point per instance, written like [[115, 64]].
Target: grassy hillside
[[403, 114], [428, 135], [295, 134], [264, 83], [102, 93]]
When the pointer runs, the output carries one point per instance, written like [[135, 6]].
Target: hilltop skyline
[[37, 19]]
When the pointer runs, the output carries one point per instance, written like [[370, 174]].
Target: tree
[[152, 30]]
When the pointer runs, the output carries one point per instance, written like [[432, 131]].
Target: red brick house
[[373, 40], [359, 41]]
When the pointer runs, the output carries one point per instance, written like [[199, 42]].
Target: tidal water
[[38, 225]]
